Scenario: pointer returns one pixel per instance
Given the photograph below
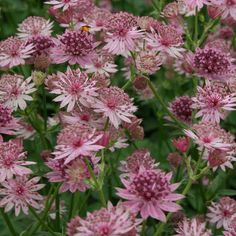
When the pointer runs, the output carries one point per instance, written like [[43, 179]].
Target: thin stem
[[45, 115], [71, 205], [196, 25], [8, 222], [58, 219]]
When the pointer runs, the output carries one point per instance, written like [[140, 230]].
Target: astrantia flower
[[227, 8], [25, 130], [167, 40], [113, 220], [212, 63], [121, 34], [183, 66], [8, 124], [210, 136], [73, 89], [150, 193], [14, 91], [72, 226], [148, 62], [64, 4], [12, 160], [14, 52], [221, 212], [73, 176], [181, 108], [196, 4], [21, 193], [192, 227], [214, 101], [75, 140], [171, 10], [231, 231], [74, 47], [34, 26], [140, 157]]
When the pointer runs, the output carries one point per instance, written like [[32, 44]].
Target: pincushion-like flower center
[[78, 143], [112, 104], [75, 88], [20, 190], [8, 161], [216, 158], [213, 101], [5, 116]]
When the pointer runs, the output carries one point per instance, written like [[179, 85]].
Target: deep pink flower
[[113, 220], [182, 144], [75, 140], [12, 160], [21, 193], [115, 104], [192, 227], [167, 39], [34, 26], [15, 91], [212, 63], [214, 101], [73, 89], [150, 193], [14, 52], [74, 47], [221, 212]]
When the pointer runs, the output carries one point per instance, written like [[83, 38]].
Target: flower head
[[212, 63], [150, 193], [167, 39], [34, 26], [231, 231], [221, 212], [192, 227], [75, 47], [115, 104], [73, 89], [214, 101], [14, 52], [14, 91], [21, 193], [64, 4], [113, 220], [75, 140]]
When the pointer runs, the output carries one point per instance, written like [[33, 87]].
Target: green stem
[[8, 222], [196, 26], [41, 222], [45, 115], [71, 205], [58, 219]]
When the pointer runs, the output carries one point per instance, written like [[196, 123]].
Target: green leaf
[[227, 192]]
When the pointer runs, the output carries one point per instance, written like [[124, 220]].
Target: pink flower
[[75, 140], [21, 193], [74, 47], [221, 212], [231, 231], [122, 34], [212, 63], [113, 220], [192, 227], [12, 160], [227, 8], [196, 4], [139, 158], [8, 124], [150, 193], [182, 144], [34, 26], [14, 91], [167, 39], [73, 89], [14, 52], [115, 104], [64, 4], [74, 176], [214, 101]]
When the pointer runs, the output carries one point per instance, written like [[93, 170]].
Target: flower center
[[20, 190]]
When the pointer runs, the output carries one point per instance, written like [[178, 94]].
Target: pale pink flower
[[21, 193], [140, 157], [231, 231], [196, 4], [150, 193], [213, 102], [212, 63], [115, 104], [221, 212], [15, 91], [74, 47], [34, 26], [12, 160], [73, 89], [14, 52], [210, 136], [72, 225], [192, 227], [226, 8], [64, 4], [25, 130], [167, 39], [8, 124], [113, 220], [170, 10], [75, 140], [183, 66], [73, 176], [122, 34]]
